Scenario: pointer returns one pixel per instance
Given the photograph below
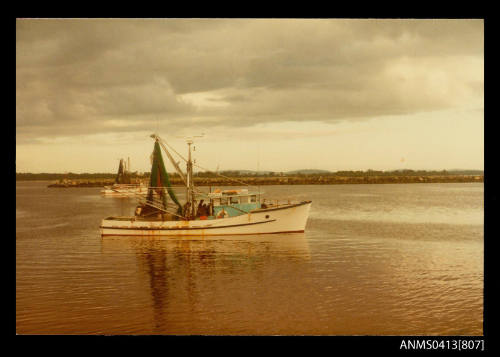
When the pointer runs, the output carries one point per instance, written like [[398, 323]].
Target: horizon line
[[261, 171]]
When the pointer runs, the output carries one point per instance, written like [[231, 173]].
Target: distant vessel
[[227, 212], [123, 186]]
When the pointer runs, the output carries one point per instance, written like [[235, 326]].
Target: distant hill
[[252, 172], [307, 172], [294, 172], [466, 172], [245, 172]]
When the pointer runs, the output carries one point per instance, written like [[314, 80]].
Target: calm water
[[374, 260]]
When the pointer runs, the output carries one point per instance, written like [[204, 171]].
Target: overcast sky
[[269, 94]]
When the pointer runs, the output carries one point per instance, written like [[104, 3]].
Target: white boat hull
[[125, 191], [281, 219]]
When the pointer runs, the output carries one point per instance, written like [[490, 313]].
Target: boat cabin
[[230, 203]]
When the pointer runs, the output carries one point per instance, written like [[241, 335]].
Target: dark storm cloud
[[78, 77]]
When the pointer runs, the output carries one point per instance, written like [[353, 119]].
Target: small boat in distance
[[124, 185], [221, 212]]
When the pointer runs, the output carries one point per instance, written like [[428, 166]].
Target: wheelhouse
[[229, 203]]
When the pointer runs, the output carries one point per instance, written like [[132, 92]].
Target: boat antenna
[[258, 169]]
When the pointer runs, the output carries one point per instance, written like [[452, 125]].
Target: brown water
[[374, 260]]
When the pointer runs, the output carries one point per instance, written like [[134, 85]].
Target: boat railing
[[170, 208], [275, 203], [158, 203]]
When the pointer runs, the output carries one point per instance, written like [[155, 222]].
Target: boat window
[[253, 198], [223, 200], [235, 200]]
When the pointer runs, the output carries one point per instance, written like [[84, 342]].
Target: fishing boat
[[219, 212], [123, 186]]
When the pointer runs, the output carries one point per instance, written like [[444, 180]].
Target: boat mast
[[189, 177], [189, 180]]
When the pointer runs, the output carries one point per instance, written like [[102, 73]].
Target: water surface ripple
[[374, 260]]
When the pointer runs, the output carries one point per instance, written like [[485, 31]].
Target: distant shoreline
[[290, 180]]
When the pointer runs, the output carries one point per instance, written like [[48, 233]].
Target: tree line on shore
[[20, 176]]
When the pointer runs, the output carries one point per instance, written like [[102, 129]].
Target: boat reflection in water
[[210, 285]]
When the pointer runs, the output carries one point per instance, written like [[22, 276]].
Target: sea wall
[[82, 183], [290, 180], [334, 180]]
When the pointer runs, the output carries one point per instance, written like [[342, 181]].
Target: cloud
[[93, 76]]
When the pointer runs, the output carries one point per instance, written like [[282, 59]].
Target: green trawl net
[[159, 178]]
